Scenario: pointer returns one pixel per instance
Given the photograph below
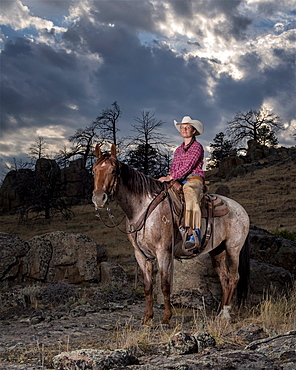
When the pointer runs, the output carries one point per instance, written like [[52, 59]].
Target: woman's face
[[187, 131]]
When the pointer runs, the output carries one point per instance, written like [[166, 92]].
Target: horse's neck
[[131, 204]]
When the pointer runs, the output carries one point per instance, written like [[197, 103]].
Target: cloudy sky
[[64, 61]]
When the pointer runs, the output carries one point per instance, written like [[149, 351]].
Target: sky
[[64, 61]]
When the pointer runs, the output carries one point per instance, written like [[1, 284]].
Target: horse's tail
[[244, 273]]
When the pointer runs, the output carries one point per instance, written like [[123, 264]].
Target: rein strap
[[141, 221]]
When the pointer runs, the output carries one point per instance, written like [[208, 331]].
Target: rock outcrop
[[77, 183], [272, 353], [73, 184], [268, 248], [52, 257], [94, 359], [230, 163], [60, 256], [12, 251]]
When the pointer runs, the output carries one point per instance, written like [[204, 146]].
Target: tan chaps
[[193, 192]]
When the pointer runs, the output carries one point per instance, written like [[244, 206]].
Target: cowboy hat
[[193, 122]]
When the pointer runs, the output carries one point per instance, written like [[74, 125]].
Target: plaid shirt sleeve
[[187, 162]]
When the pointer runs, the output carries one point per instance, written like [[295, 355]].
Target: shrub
[[285, 234]]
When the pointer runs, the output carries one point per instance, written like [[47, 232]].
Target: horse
[[159, 235]]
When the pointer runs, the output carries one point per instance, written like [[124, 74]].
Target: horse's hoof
[[146, 322], [224, 313], [165, 321]]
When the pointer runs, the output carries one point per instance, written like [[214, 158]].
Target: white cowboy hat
[[193, 122]]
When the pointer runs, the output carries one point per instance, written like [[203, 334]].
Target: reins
[[136, 227], [111, 217]]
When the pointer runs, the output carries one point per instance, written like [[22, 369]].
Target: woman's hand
[[165, 178]]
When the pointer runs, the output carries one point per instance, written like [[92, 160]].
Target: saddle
[[211, 206]]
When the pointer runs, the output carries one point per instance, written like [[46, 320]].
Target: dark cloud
[[267, 8], [38, 83], [183, 9], [137, 15], [260, 83], [47, 8]]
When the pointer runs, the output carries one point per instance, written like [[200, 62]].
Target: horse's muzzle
[[100, 202]]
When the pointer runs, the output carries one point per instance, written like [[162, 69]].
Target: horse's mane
[[139, 183]]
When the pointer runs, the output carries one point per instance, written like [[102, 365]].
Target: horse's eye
[[113, 172]]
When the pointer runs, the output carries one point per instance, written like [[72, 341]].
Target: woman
[[187, 168]]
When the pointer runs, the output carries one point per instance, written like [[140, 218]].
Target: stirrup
[[190, 245]]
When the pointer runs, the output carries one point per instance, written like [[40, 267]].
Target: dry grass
[[274, 315], [277, 314], [268, 195]]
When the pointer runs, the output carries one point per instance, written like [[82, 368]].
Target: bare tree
[[38, 148], [146, 155], [107, 123], [63, 156], [84, 141], [246, 126]]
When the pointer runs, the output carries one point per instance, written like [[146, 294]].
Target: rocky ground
[[88, 332]]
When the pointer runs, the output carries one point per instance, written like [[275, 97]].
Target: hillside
[[268, 193]]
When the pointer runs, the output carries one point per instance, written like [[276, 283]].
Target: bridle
[[108, 197]]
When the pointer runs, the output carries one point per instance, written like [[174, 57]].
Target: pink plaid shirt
[[187, 162]]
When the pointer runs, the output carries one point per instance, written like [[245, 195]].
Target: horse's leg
[[165, 264], [228, 276], [147, 270]]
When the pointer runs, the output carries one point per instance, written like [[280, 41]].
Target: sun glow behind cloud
[[21, 18]]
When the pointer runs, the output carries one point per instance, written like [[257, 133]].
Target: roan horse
[[134, 192]]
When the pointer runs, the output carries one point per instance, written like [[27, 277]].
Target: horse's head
[[105, 176]]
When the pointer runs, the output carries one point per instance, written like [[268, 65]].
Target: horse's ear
[[98, 152], [113, 150]]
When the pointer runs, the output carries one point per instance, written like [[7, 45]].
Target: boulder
[[76, 181], [94, 359], [271, 249], [47, 171], [182, 343], [281, 349], [16, 188], [250, 333], [266, 278], [185, 343], [228, 164], [60, 256], [12, 250], [112, 274]]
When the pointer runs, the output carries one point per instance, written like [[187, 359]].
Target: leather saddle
[[211, 206]]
